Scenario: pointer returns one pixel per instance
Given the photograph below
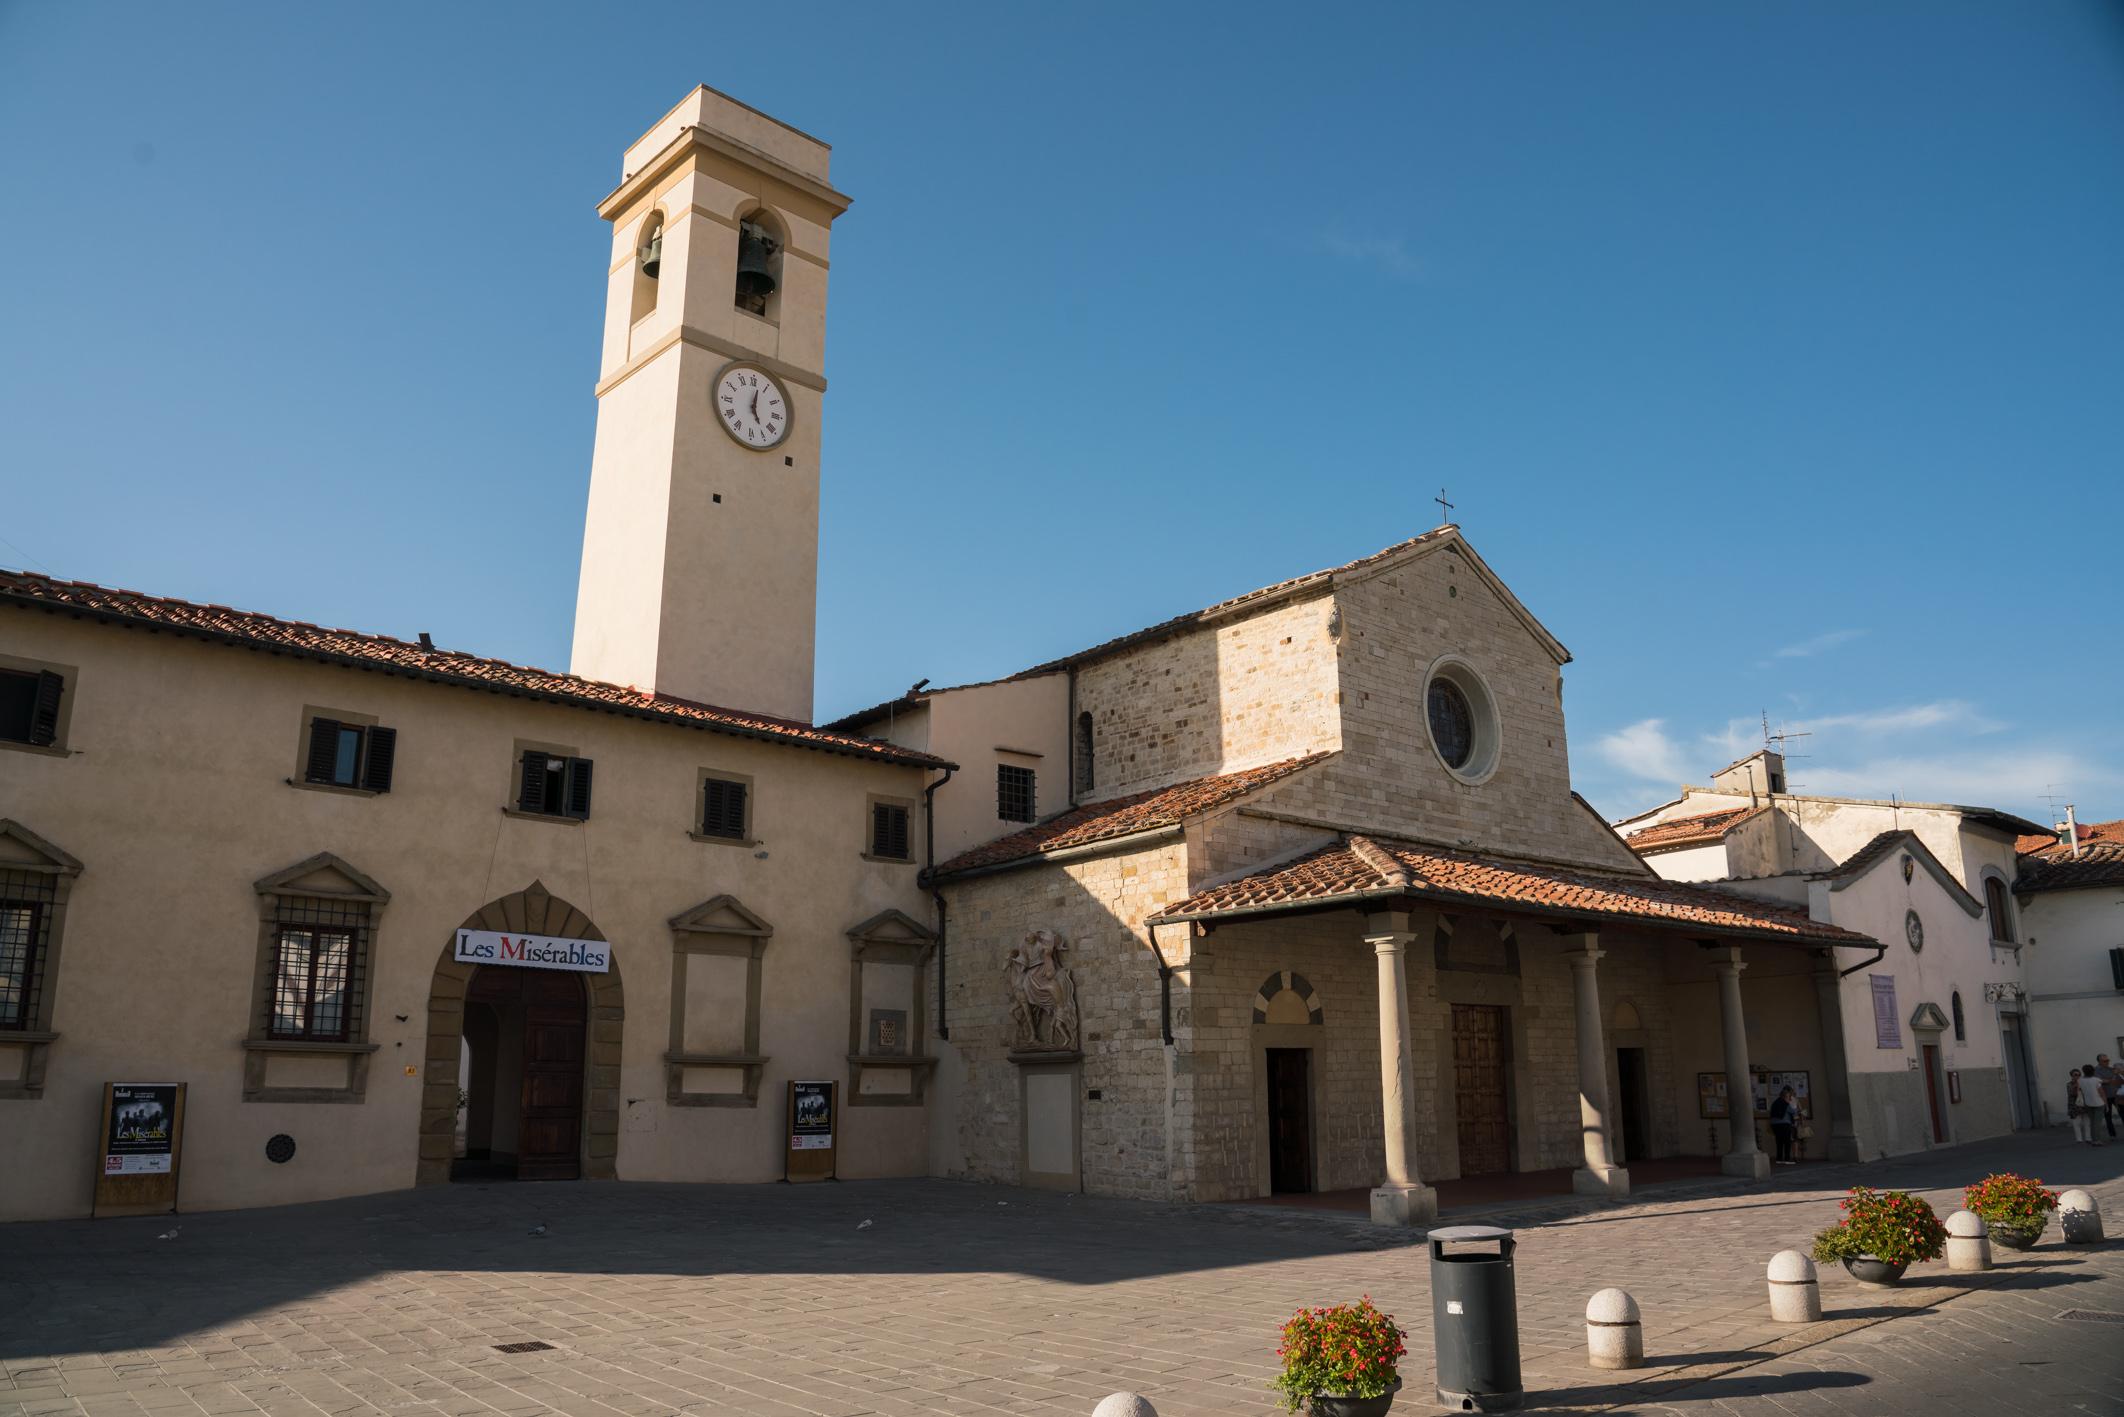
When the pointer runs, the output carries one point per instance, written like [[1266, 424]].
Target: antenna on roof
[[1444, 507], [1780, 742]]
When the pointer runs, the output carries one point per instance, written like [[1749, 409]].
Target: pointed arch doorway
[[544, 1049]]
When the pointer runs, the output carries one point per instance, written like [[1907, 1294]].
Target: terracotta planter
[[1328, 1404], [1878, 1274]]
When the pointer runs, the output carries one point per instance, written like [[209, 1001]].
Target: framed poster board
[[1711, 1095], [1769, 1085], [141, 1150], [810, 1154]]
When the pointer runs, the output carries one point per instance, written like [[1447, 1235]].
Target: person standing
[[2110, 1077], [1784, 1119], [2076, 1110], [2091, 1102]]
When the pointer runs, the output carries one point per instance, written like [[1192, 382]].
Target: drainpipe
[[928, 878], [1878, 952]]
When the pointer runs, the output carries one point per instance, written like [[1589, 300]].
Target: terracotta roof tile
[[2100, 863], [2053, 843], [1679, 832], [294, 637], [1144, 811], [1343, 872]]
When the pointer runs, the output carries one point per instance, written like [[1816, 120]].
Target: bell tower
[[700, 551]]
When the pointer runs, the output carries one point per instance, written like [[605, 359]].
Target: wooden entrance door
[[1479, 1058], [1290, 1120], [550, 1126], [1932, 1091]]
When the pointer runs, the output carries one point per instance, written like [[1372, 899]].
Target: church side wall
[[1241, 694], [1396, 625]]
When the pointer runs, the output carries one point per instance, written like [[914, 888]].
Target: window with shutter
[[1014, 793], [324, 750], [888, 831], [723, 810], [2001, 913], [383, 748], [533, 796], [577, 801]]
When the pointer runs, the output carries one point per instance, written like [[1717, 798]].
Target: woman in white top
[[2087, 1100]]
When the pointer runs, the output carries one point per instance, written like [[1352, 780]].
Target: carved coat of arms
[[1043, 998]]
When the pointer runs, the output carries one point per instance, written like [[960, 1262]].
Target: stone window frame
[[890, 937], [2010, 937], [871, 803], [43, 869], [708, 929], [701, 777], [311, 712], [1458, 670], [69, 673], [277, 899]]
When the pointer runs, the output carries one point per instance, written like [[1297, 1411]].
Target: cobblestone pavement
[[665, 1299]]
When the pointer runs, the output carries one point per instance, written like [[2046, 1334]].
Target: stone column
[[1403, 1200], [1745, 1158], [1599, 1176]]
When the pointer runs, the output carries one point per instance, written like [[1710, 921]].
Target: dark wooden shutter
[[534, 793], [383, 747], [324, 750], [888, 831], [44, 722], [880, 833], [578, 804], [899, 832], [723, 811]]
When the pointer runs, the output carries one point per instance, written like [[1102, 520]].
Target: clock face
[[752, 407], [1914, 930]]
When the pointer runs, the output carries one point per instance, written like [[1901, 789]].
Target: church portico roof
[[1364, 872], [1125, 816]]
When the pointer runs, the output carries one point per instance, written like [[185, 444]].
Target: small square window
[[888, 831], [29, 707], [1014, 793], [350, 755], [554, 786]]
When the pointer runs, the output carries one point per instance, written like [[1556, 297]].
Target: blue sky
[[1771, 353]]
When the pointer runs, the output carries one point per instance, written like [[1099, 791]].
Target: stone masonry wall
[[1255, 690]]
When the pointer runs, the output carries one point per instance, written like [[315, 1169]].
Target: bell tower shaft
[[700, 551]]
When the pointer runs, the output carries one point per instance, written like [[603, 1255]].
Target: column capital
[[1393, 942]]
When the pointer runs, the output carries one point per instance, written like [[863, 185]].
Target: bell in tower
[[755, 267]]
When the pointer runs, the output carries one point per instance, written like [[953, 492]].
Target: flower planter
[[1328, 1404], [2007, 1238], [1877, 1274]]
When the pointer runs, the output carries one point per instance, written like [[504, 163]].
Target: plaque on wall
[[810, 1155], [142, 1151], [888, 1033]]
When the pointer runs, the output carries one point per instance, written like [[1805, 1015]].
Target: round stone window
[[1462, 718], [1452, 723]]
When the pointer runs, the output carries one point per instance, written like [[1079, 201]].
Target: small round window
[[1462, 718], [1452, 723]]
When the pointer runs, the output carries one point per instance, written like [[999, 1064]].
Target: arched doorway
[[567, 1106]]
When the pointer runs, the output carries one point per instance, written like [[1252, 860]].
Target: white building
[[2070, 903], [1935, 1041]]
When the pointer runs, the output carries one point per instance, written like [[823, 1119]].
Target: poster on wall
[[810, 1156], [142, 1148]]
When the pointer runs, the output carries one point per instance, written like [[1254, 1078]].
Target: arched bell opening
[[533, 1053], [761, 241], [648, 266]]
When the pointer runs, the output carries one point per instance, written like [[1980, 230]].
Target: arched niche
[[533, 911]]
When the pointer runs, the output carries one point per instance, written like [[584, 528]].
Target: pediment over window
[[23, 850], [724, 915], [323, 874], [1928, 1017], [893, 927]]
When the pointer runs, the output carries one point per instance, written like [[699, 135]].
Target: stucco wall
[[2075, 1008], [175, 812]]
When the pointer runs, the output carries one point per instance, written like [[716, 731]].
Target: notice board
[[810, 1154], [141, 1151]]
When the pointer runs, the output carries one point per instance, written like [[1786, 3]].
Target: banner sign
[[143, 1129], [534, 951], [1887, 1027]]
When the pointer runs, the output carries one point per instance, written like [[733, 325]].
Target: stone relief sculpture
[[1043, 998]]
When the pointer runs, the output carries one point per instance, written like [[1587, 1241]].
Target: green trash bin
[[1475, 1320]]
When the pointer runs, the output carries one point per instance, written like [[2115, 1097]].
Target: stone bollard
[[1124, 1404], [1614, 1336], [2080, 1218], [1968, 1241], [1795, 1292]]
